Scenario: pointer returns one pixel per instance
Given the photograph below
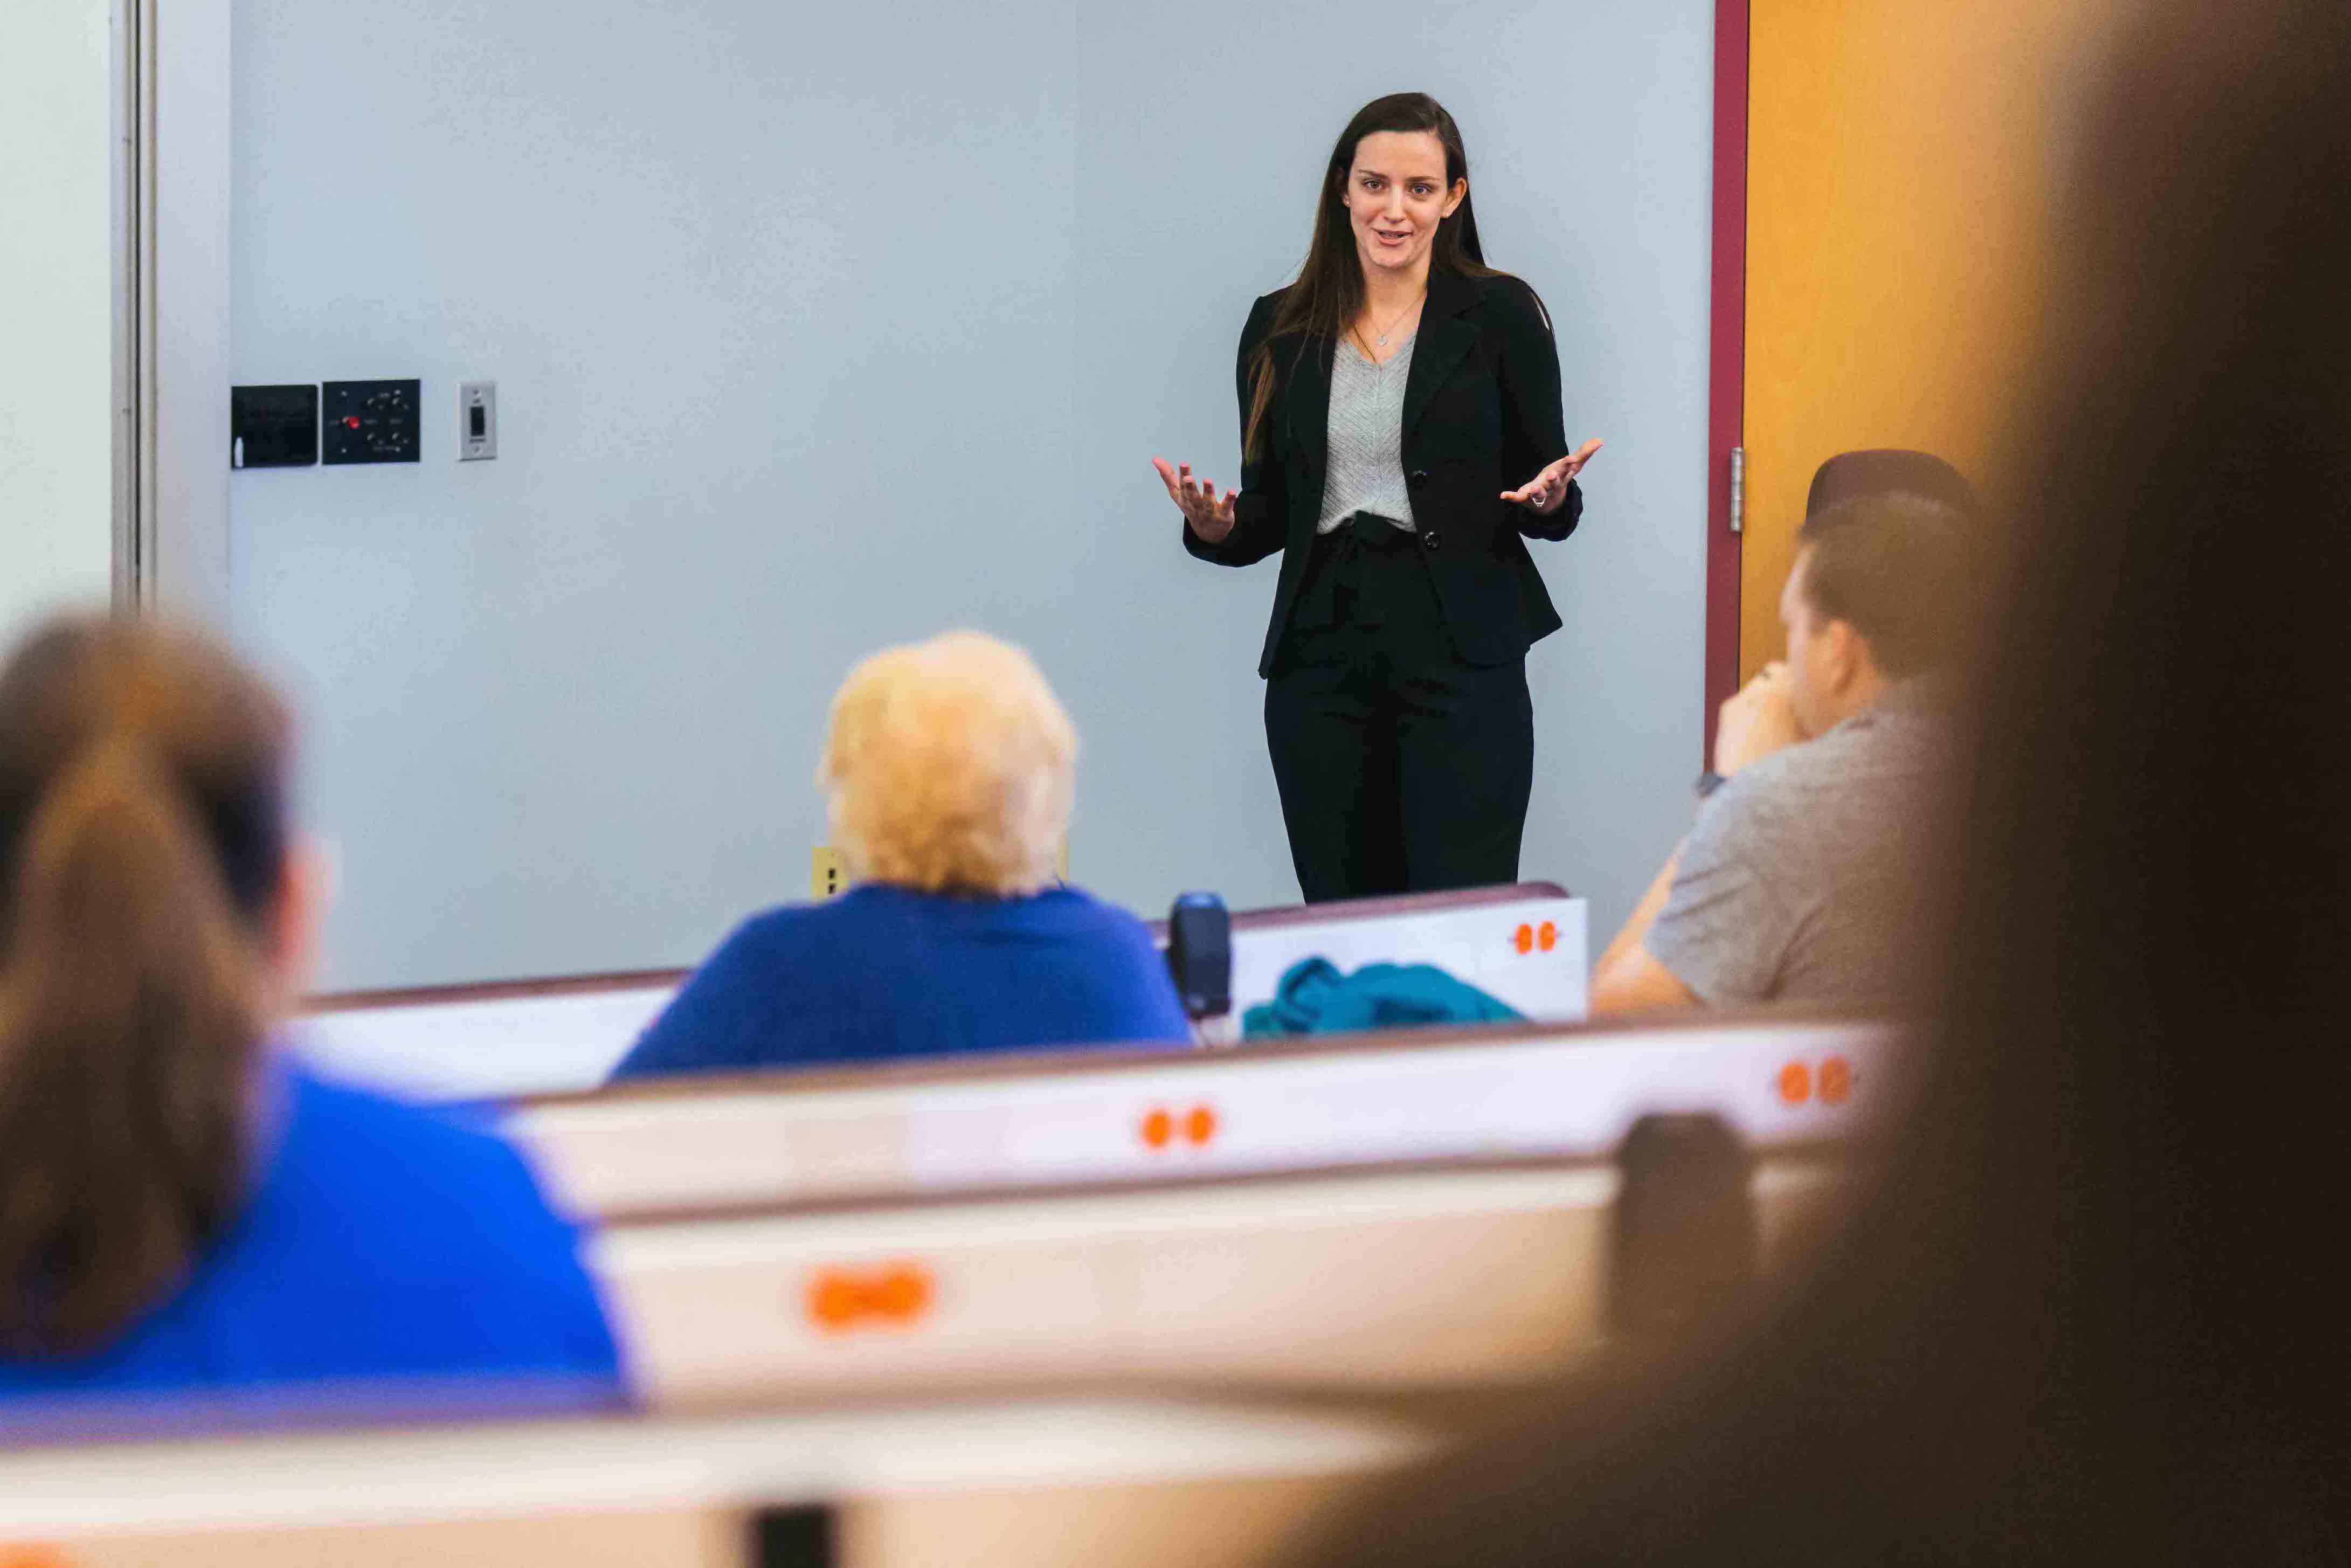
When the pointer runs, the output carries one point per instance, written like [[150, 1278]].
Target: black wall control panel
[[371, 422], [273, 426]]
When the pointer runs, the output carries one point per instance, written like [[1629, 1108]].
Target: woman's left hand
[[1547, 489]]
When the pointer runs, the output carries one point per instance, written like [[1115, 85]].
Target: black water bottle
[[1200, 954]]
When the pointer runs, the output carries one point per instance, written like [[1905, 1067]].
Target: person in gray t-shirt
[[1797, 881]]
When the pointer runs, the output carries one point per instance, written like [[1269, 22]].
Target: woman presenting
[[1400, 430]]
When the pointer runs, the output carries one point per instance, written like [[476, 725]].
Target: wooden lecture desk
[[1406, 1210]]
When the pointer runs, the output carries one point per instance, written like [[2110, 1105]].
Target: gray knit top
[[1366, 438]]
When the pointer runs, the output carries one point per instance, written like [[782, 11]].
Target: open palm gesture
[[1546, 490], [1206, 515]]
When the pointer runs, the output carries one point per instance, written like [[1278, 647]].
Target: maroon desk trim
[[1378, 908], [495, 990]]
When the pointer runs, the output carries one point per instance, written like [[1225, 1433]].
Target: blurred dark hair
[[2088, 1310], [142, 848], [1329, 292], [1899, 569]]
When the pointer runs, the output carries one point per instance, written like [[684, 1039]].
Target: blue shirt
[[382, 1242], [885, 972]]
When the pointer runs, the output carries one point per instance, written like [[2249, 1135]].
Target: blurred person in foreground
[[181, 1207], [1807, 847], [948, 772], [2088, 1308]]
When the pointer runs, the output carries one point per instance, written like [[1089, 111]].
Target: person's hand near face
[[1757, 720]]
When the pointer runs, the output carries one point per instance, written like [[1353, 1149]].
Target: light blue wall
[[816, 329], [1589, 129], [56, 312]]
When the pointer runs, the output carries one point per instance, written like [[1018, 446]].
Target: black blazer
[[1480, 416]]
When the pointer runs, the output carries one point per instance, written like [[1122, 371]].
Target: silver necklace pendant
[[1384, 339]]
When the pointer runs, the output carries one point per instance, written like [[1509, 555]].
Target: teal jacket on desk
[[1314, 998], [884, 973]]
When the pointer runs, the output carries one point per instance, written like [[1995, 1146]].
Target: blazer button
[[1417, 478], [1428, 539]]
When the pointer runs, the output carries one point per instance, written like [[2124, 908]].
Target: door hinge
[[1737, 489]]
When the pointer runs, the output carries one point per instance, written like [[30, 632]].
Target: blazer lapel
[[1307, 401], [1444, 341]]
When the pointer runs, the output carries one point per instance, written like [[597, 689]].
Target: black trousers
[[1402, 769]]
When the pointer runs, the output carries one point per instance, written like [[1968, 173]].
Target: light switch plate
[[828, 877], [478, 421]]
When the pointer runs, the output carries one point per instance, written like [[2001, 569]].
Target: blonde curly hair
[[949, 766]]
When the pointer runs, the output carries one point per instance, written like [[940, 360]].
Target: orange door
[[1902, 156]]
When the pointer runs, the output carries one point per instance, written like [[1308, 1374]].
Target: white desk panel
[[493, 1048], [1368, 1283], [1394, 1099], [1531, 953]]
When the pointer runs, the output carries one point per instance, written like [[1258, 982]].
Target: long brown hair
[[141, 848], [2089, 1310], [1329, 292]]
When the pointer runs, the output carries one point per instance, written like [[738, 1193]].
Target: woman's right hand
[[1204, 515]]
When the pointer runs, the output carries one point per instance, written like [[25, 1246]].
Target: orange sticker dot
[[1795, 1084], [1836, 1080], [1159, 1129], [1524, 940], [1548, 936], [902, 1294], [835, 1301], [1201, 1124]]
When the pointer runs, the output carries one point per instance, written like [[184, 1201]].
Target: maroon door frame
[[1726, 369]]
